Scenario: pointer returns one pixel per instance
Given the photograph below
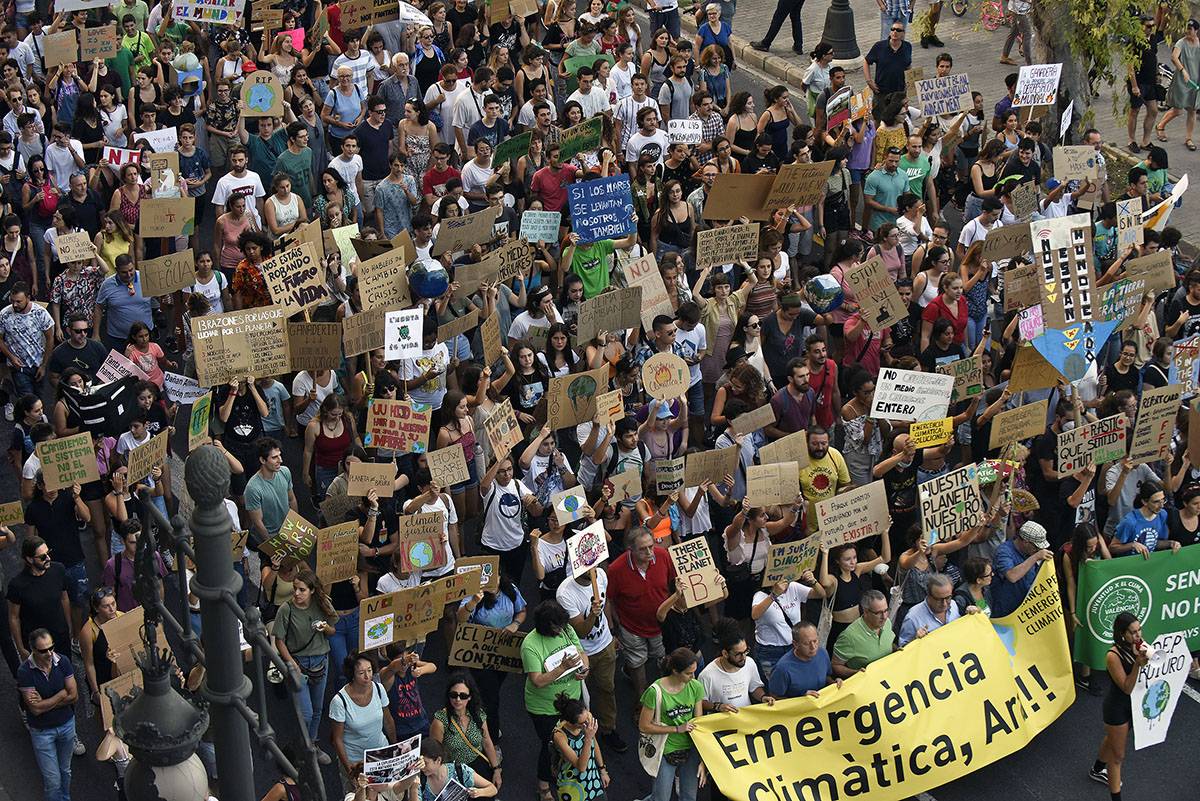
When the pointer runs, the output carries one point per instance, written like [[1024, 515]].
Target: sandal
[[1162, 137], [1189, 144]]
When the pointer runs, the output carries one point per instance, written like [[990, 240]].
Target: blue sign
[[602, 209], [1072, 350]]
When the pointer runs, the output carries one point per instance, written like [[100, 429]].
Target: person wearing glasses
[[46, 681], [37, 598], [935, 611], [79, 350], [890, 57], [732, 680], [374, 136], [866, 640], [977, 578]]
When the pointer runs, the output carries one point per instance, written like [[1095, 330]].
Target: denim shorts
[[79, 589], [857, 176]]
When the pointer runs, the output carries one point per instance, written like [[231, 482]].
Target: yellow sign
[[931, 432], [962, 697]]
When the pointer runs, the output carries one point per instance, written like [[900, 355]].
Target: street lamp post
[[839, 32]]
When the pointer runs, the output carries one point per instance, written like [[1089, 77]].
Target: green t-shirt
[[295, 627], [916, 172], [139, 11], [298, 167], [676, 710], [858, 646], [264, 153], [122, 65], [1155, 179], [142, 47], [534, 650], [593, 264]]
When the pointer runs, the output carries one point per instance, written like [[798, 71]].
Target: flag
[[1072, 350], [104, 409]]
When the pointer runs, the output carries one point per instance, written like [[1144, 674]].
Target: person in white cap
[[1015, 567]]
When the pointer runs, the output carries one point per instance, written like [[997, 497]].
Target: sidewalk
[[976, 51]]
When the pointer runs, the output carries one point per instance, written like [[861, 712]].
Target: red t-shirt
[[551, 186], [434, 182], [937, 308], [823, 384], [636, 599]]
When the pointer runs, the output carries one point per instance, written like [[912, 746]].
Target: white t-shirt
[[433, 390], [525, 321], [974, 231], [360, 66], [655, 145], [621, 80], [774, 626], [446, 131], [301, 384], [734, 689], [249, 185], [526, 118], [593, 103], [389, 582], [211, 291], [692, 342], [576, 598], [62, 164], [448, 516], [127, 442], [701, 522], [349, 168], [502, 530], [588, 470]]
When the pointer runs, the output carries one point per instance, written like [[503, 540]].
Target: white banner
[[912, 396]]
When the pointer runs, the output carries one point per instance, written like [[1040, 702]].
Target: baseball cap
[[664, 412], [1035, 533]]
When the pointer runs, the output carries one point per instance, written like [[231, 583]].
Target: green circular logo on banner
[[1120, 594]]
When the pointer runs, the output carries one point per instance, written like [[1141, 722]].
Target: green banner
[[511, 149], [1163, 592], [582, 137]]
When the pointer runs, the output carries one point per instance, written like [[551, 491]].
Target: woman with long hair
[[714, 76], [461, 727], [719, 315], [458, 428], [745, 384], [983, 176], [284, 210], [98, 666], [1182, 96], [335, 192], [416, 138], [742, 127], [656, 60], [230, 227], [1124, 662], [302, 629], [114, 239], [864, 436], [326, 438], [557, 356], [840, 573], [677, 697], [949, 305], [673, 225], [777, 118], [1085, 544], [975, 272], [747, 541], [816, 77]]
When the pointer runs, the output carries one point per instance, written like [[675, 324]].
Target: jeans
[[325, 477], [312, 703], [783, 10], [344, 640], [665, 19], [1019, 26], [767, 656], [689, 778], [25, 381], [53, 749], [975, 329]]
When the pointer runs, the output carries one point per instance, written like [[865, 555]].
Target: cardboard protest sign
[[1158, 688], [118, 157], [489, 332], [1030, 323], [726, 245], [337, 552], [74, 247], [393, 762], [798, 185], [501, 429], [1007, 242], [122, 685], [382, 281], [1092, 443], [296, 538], [696, 573], [11, 513], [968, 377], [540, 226], [1155, 424], [736, 195], [402, 333], [459, 233], [232, 346], [144, 458], [644, 273], [1020, 423], [665, 376], [1031, 371], [1024, 198], [262, 95], [668, 475], [1037, 85], [792, 448], [117, 366], [586, 550], [420, 541], [503, 265], [711, 466], [610, 407], [685, 131], [1144, 276], [60, 48], [167, 217], [366, 476], [627, 484], [315, 346], [1184, 358], [571, 399], [68, 460], [198, 422], [950, 504], [166, 274], [377, 621], [788, 561], [364, 331], [911, 396], [876, 292], [397, 425], [772, 484], [295, 278], [486, 648], [124, 636], [753, 420], [448, 465], [1078, 162], [1022, 285], [488, 567], [1156, 217], [945, 95], [585, 136], [931, 432], [568, 505], [101, 42], [602, 208], [161, 140], [614, 310], [1062, 249], [855, 515]]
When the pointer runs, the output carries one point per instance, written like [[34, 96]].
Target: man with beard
[[823, 379], [826, 474], [783, 335], [793, 403]]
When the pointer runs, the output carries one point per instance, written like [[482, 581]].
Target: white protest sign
[[1064, 124], [951, 504], [912, 396], [587, 549], [181, 389], [1037, 85], [392, 763], [402, 333], [686, 131], [1159, 685], [944, 95]]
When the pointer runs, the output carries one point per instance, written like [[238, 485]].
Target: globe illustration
[[571, 503], [824, 293], [421, 555], [1154, 702]]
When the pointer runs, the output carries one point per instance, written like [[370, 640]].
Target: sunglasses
[[460, 696], [45, 650], [897, 30]]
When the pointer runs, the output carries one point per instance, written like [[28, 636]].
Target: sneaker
[[1099, 775], [615, 741], [323, 758], [79, 749], [936, 42], [762, 47]]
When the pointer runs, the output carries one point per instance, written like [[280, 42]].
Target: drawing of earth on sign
[[262, 97], [581, 389], [378, 630], [591, 548], [420, 554], [571, 504]]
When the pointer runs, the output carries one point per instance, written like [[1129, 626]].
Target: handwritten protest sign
[[876, 292], [167, 217], [295, 278], [736, 195], [685, 131], [1037, 85], [1031, 323], [337, 552], [1022, 285], [1024, 198], [788, 561], [586, 550], [315, 346], [512, 148], [753, 420], [1093, 443], [68, 460], [710, 466], [60, 48], [101, 42], [726, 245], [792, 448], [911, 396], [610, 407], [459, 233], [968, 377], [668, 475], [144, 458], [583, 137], [665, 376], [1020, 423], [124, 636], [232, 346], [364, 331], [571, 399], [262, 95], [602, 208], [1147, 275], [403, 333], [644, 273], [613, 311], [75, 247], [501, 429], [540, 226], [503, 265], [951, 504], [1062, 249], [931, 432], [421, 543], [696, 573], [458, 326], [798, 185], [366, 476], [198, 421], [772, 484], [851, 516], [1031, 371], [117, 366], [1007, 242], [11, 513], [1078, 162], [488, 567], [486, 648], [1155, 424], [166, 274], [215, 12], [397, 425], [382, 282], [448, 465], [944, 95], [569, 505]]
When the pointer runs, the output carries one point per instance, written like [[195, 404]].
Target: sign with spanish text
[[728, 244], [397, 425], [1155, 425], [951, 504], [231, 346], [586, 550], [911, 396], [855, 515], [1097, 443], [295, 278], [402, 338], [337, 552], [1037, 85], [602, 209], [366, 476]]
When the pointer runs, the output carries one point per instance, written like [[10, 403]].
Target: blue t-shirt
[[271, 497], [793, 677], [1134, 527], [1007, 596], [29, 676], [500, 615], [274, 396], [121, 309], [192, 168]]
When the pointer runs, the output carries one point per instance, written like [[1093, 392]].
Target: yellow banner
[[931, 432], [966, 695]]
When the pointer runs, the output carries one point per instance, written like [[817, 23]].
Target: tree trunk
[[1055, 28]]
